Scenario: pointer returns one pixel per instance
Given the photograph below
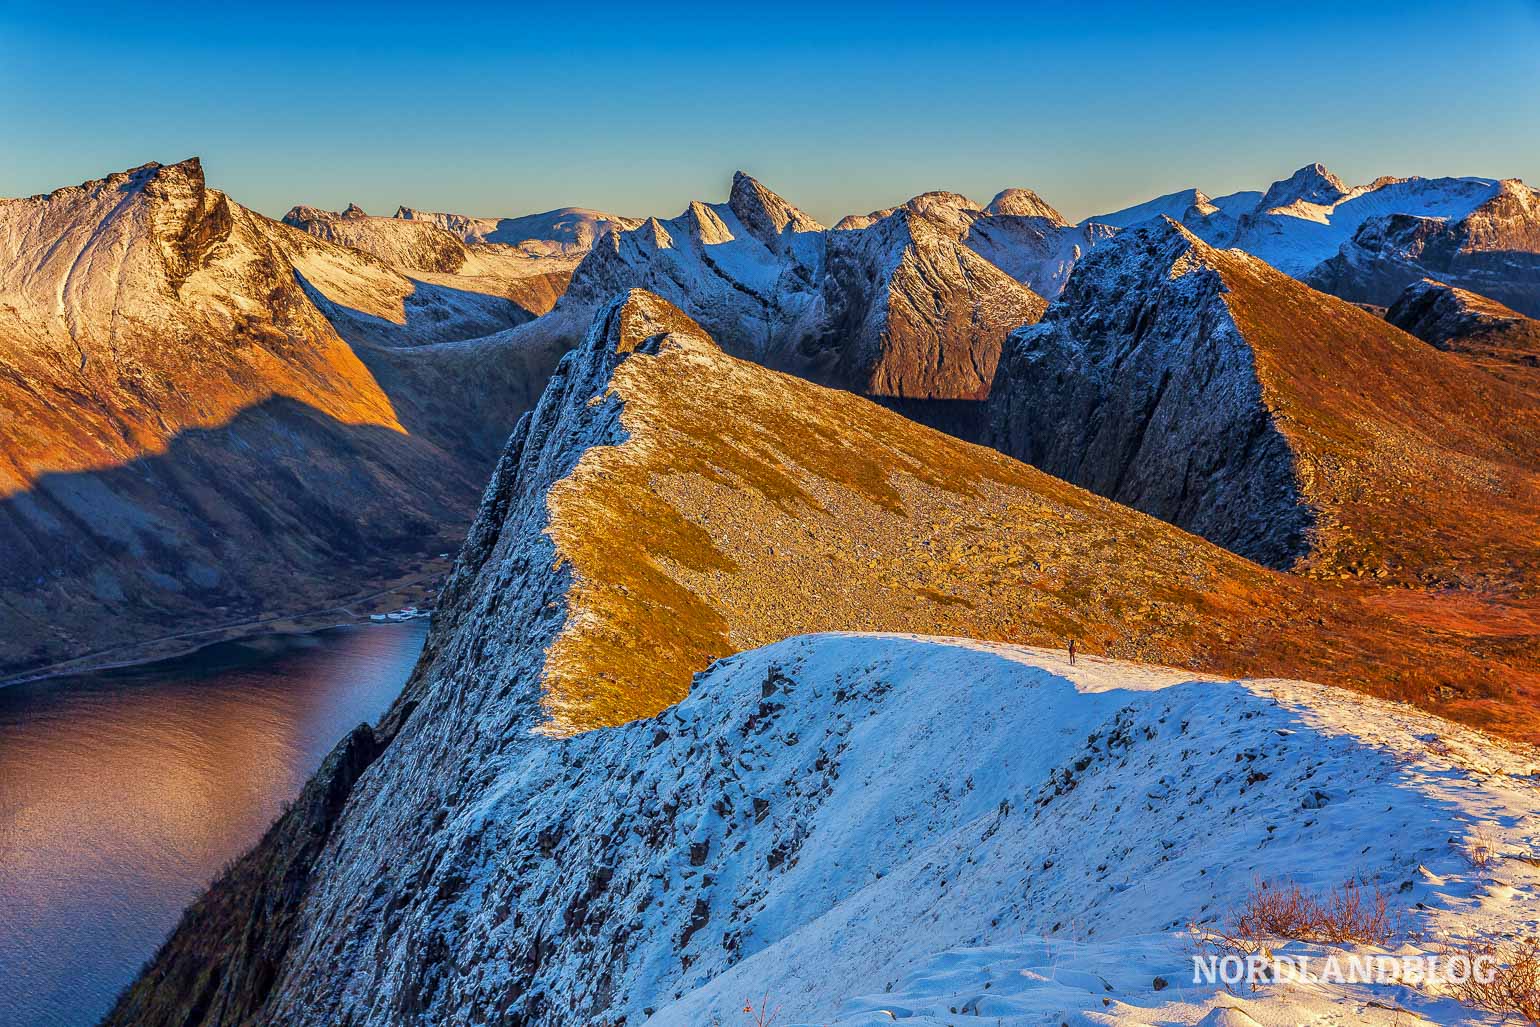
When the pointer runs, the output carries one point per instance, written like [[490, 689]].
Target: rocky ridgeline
[[1206, 388], [485, 865]]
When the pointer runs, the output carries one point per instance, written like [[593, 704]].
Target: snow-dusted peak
[[302, 213], [353, 210], [637, 317], [1310, 184], [764, 213], [1024, 203], [940, 201], [1140, 256]]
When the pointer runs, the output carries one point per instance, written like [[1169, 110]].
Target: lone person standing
[[1072, 652]]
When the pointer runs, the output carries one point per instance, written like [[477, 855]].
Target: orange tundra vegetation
[[745, 506]]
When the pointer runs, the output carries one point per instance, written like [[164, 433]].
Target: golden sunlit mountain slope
[[185, 437], [719, 482], [1209, 389]]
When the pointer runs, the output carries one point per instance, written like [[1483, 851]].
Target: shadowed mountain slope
[[1498, 340], [1209, 389]]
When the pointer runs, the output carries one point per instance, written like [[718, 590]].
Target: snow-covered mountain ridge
[[854, 827], [495, 851]]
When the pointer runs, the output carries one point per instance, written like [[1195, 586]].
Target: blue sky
[[638, 109]]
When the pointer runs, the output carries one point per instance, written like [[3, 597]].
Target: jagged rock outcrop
[[1495, 338], [1206, 388], [485, 867], [748, 270], [1492, 249], [897, 309], [210, 417]]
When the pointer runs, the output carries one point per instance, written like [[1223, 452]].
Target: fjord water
[[123, 792]]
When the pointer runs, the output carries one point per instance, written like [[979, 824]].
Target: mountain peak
[[636, 317], [939, 200], [353, 210], [1024, 203], [765, 214], [1310, 184]]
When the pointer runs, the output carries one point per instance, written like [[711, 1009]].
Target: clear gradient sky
[[638, 109]]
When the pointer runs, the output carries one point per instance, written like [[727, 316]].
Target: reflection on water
[[122, 793]]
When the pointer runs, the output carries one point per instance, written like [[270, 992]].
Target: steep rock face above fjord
[[1208, 389]]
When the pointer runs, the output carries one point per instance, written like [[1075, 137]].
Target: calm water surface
[[123, 792]]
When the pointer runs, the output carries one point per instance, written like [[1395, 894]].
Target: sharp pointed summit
[[764, 213], [1310, 184]]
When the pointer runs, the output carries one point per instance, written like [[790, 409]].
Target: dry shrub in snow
[[1480, 847], [1513, 989], [1350, 913], [764, 1015]]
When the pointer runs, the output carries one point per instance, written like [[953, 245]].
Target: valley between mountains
[[748, 671]]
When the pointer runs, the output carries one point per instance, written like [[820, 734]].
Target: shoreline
[[348, 610]]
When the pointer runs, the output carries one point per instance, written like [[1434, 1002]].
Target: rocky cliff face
[[1501, 341], [188, 439], [1206, 388], [899, 308], [1493, 250], [487, 866], [1138, 387]]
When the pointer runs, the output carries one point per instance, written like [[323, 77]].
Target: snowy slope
[[1302, 220], [1295, 234], [952, 828], [1173, 205], [935, 824]]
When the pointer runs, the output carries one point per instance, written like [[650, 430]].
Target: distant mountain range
[[907, 461], [156, 337]]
